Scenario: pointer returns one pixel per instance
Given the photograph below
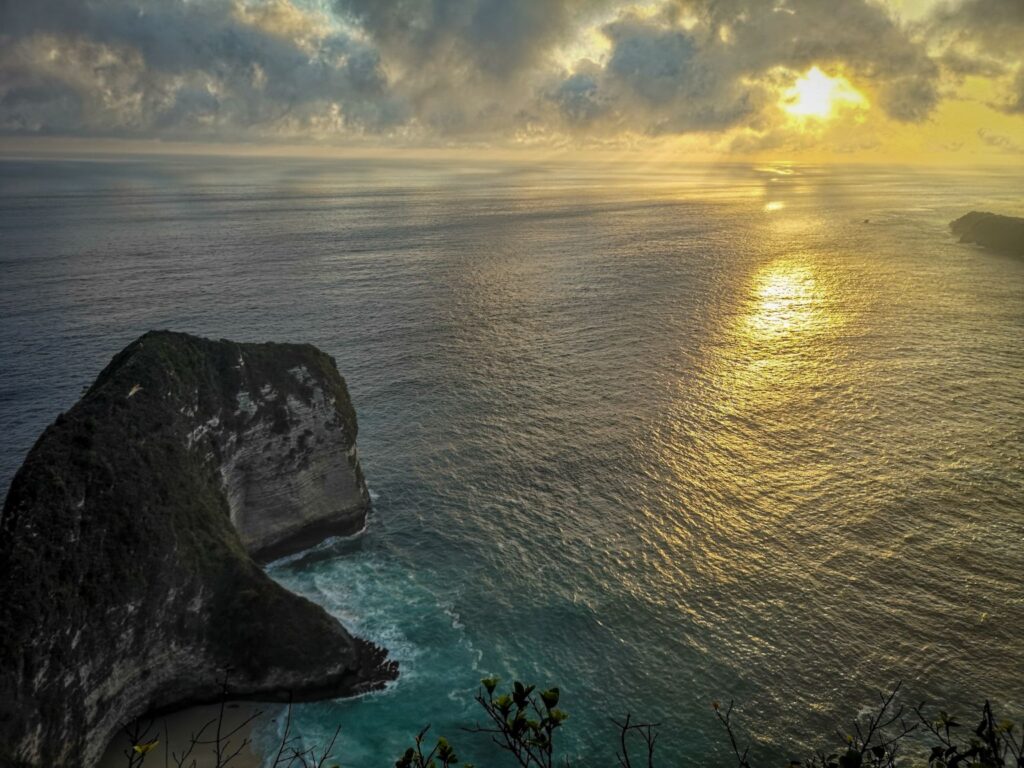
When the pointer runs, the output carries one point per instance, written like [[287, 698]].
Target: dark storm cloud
[[469, 69], [494, 38], [165, 65], [995, 24], [978, 65], [658, 79]]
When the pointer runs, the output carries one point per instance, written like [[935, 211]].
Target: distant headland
[[128, 582], [991, 230]]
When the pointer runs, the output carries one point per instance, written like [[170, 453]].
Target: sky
[[914, 81]]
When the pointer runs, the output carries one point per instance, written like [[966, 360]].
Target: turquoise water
[[659, 437]]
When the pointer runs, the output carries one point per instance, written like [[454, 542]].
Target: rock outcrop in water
[[127, 579], [991, 230]]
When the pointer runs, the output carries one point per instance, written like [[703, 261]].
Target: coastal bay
[[698, 434]]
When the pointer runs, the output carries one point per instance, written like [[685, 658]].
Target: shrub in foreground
[[524, 723]]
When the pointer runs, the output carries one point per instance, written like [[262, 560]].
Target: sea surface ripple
[[658, 436]]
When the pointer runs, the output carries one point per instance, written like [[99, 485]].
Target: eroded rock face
[[991, 230], [127, 582], [289, 464]]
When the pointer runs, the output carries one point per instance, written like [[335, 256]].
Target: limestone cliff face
[[288, 460], [127, 580], [991, 230]]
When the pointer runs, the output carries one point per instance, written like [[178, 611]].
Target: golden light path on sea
[[786, 302], [763, 373]]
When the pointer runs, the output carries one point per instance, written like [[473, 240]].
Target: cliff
[[127, 578], [998, 233]]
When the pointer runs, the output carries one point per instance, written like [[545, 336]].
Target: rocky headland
[[130, 535], [991, 230]]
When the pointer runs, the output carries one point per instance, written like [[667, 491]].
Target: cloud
[[474, 70], [1014, 103], [991, 27], [1000, 142], [709, 65], [859, 37], [489, 39], [984, 38], [180, 68], [658, 79]]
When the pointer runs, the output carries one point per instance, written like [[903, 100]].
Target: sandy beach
[[174, 733]]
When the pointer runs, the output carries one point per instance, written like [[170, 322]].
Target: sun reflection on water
[[763, 383], [780, 350], [787, 299]]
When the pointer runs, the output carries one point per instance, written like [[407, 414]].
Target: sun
[[817, 95]]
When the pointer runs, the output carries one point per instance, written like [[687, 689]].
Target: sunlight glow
[[817, 95], [787, 300], [788, 310]]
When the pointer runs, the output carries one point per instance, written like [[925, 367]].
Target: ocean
[[657, 435]]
